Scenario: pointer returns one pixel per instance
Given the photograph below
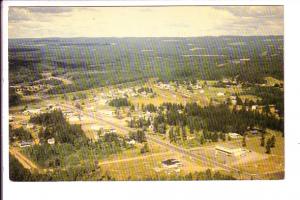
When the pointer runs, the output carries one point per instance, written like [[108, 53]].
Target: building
[[234, 101], [131, 142], [171, 163], [11, 118], [51, 141], [24, 144], [151, 127], [232, 97], [234, 152], [253, 107], [234, 135], [219, 94], [32, 111], [244, 60]]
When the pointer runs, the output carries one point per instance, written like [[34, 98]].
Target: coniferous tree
[[268, 146], [262, 140], [244, 141]]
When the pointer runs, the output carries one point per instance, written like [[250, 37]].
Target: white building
[[234, 135], [254, 107], [234, 102], [131, 142], [24, 144], [51, 141], [219, 94], [220, 150], [32, 111]]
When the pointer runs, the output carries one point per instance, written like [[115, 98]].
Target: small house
[[171, 163], [253, 107], [51, 141], [234, 135], [131, 142], [219, 94], [24, 144]]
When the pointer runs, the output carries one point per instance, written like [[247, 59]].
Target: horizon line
[[58, 37]]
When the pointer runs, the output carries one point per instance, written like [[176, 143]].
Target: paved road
[[203, 159]]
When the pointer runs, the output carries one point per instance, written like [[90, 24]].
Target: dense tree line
[[270, 96], [214, 118], [78, 173], [14, 97], [145, 89], [139, 123], [138, 135], [198, 175], [57, 127], [119, 102], [19, 134], [150, 108]]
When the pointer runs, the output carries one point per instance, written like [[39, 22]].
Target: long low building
[[229, 151]]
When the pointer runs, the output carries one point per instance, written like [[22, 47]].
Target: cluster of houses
[[37, 111]]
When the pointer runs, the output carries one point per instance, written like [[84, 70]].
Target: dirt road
[[27, 164]]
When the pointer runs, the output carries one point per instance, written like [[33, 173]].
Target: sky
[[167, 21]]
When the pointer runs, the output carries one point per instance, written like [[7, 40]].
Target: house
[[171, 163], [112, 130], [256, 130], [220, 150], [32, 111], [151, 127], [24, 144], [232, 97], [51, 141], [253, 107], [131, 142], [234, 102], [234, 135], [220, 94], [29, 126], [11, 118]]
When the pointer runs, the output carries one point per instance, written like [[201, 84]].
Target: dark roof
[[170, 161]]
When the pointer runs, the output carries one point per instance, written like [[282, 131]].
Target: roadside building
[[226, 151], [171, 163]]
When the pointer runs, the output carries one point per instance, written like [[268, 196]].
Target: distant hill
[[166, 58]]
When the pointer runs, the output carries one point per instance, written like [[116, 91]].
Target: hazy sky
[[176, 21]]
